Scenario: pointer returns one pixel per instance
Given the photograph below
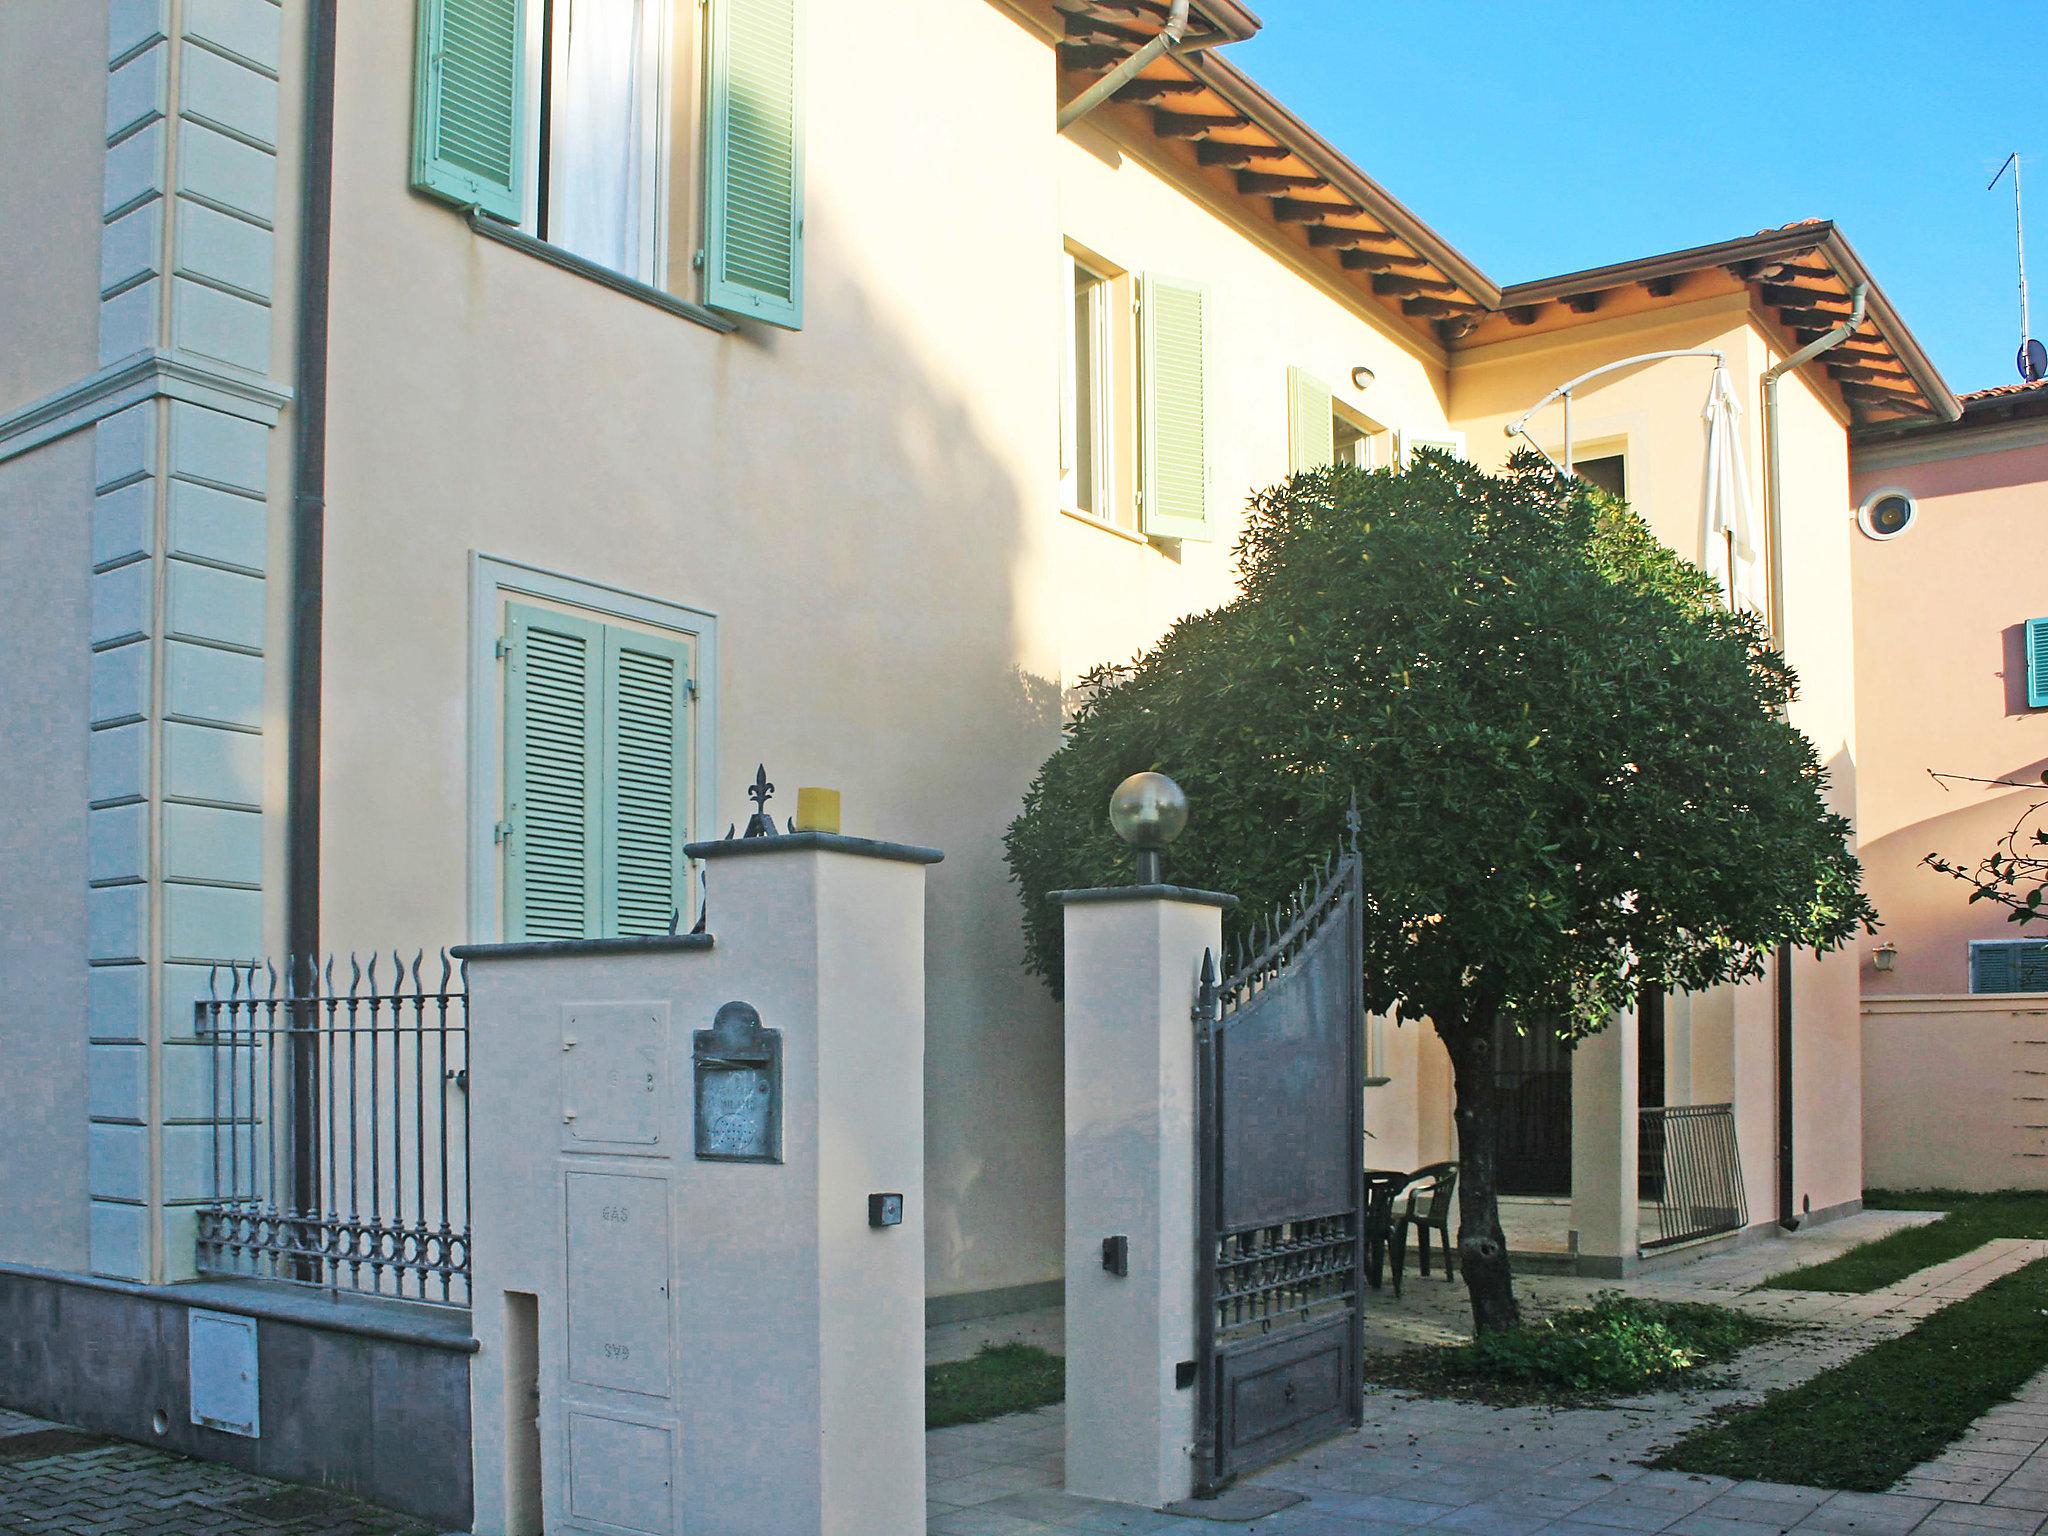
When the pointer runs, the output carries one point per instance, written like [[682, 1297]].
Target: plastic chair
[[1430, 1193]]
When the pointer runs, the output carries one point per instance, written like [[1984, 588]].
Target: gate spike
[[355, 976], [212, 991], [398, 974], [270, 969], [417, 956], [328, 985], [372, 977], [446, 970]]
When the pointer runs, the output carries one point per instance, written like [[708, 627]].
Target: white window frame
[[1409, 440], [1370, 434], [493, 581], [1102, 426], [658, 45]]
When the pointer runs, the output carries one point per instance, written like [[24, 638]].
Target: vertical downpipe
[[309, 526], [1774, 494]]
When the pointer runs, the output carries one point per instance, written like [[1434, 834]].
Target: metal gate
[[1280, 1257]]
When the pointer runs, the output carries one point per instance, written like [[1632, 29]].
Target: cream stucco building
[[366, 361]]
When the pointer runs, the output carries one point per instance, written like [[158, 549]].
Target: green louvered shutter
[[646, 781], [2037, 663], [1175, 405], [754, 181], [469, 104], [554, 732], [1311, 429]]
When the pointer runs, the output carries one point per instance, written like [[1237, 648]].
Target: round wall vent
[[1887, 514]]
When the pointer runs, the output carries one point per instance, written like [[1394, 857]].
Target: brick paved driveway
[[62, 1482]]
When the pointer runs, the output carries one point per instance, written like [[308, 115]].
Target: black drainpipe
[[1788, 1218], [309, 531]]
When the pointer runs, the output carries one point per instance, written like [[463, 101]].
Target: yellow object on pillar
[[817, 810]]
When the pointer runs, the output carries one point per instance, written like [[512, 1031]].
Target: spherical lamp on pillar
[[1148, 811]]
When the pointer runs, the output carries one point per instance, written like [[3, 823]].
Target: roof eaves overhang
[[1248, 97], [1756, 260]]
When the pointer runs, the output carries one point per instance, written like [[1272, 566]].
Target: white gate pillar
[[1605, 1148], [1133, 964], [707, 1323]]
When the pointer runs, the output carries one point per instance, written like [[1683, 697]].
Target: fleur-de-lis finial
[[760, 824]]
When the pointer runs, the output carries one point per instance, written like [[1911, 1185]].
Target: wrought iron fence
[[1691, 1168], [340, 1127]]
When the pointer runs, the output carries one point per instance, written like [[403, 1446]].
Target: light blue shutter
[[1175, 408], [754, 181], [554, 713], [2037, 663], [2018, 966], [1311, 426], [646, 781], [469, 104]]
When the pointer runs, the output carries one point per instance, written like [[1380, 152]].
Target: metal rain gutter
[[1774, 496], [309, 494], [1169, 36]]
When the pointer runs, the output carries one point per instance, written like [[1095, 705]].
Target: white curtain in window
[[598, 151]]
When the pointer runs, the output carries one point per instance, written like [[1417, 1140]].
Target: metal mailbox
[[738, 1066]]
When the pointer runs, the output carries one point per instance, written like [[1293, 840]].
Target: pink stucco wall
[[1941, 684]]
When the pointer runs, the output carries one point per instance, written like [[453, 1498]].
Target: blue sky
[[1540, 137]]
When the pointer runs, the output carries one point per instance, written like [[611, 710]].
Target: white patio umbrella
[[1730, 543]]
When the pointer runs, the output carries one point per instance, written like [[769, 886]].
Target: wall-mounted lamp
[[1361, 378], [1885, 956]]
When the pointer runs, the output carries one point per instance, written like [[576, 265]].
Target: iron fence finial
[[761, 824]]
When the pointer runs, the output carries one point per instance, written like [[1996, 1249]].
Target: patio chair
[[1430, 1192]]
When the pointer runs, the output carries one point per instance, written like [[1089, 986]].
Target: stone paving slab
[[1465, 1469], [104, 1487]]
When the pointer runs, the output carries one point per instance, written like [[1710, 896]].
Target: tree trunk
[[1482, 1248]]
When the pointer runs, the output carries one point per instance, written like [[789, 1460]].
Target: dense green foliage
[[1866, 1423], [1973, 1220], [1002, 1378], [1616, 1347], [1570, 762]]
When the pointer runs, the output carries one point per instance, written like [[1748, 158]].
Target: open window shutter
[[1311, 430], [754, 210], [1174, 326], [2037, 663], [554, 721], [646, 781], [469, 104]]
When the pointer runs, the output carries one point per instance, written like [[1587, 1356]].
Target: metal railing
[[1691, 1168], [340, 1127]]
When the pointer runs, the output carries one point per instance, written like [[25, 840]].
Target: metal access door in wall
[[1280, 1256]]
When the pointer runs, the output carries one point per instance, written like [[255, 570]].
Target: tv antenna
[[2033, 356]]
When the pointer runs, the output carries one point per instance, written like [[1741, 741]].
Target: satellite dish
[[2033, 361]]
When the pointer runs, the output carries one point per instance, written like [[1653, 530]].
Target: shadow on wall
[[857, 502], [1928, 915]]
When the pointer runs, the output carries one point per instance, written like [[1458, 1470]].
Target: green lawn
[[1003, 1378], [1617, 1347], [1972, 1220], [1866, 1423]]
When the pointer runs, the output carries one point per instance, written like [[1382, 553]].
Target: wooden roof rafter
[[1249, 146]]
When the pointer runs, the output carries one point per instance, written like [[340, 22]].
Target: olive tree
[[1573, 769]]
